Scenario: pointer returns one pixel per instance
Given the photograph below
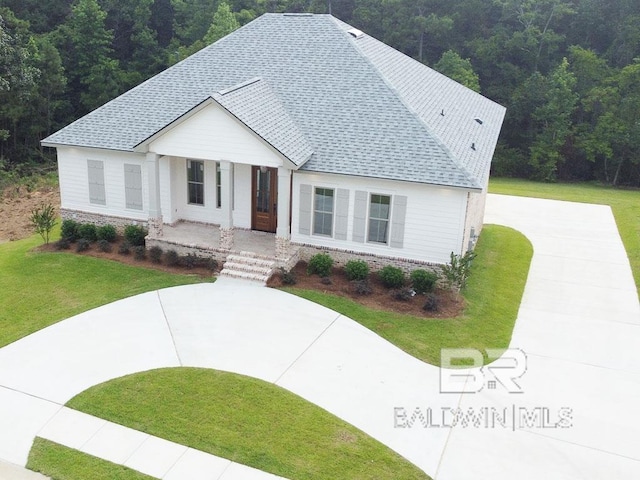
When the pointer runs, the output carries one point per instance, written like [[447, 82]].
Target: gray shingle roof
[[360, 106]]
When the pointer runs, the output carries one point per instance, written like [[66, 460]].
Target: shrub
[[431, 304], [356, 270], [362, 287], [135, 234], [69, 230], [124, 248], [104, 246], [326, 281], [423, 281], [287, 277], [63, 244], [392, 277], [43, 220], [320, 264], [106, 232], [87, 231], [208, 263], [83, 245], [155, 254], [139, 252], [172, 258], [189, 261], [403, 294], [456, 272]]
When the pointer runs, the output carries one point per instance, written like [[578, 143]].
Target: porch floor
[[208, 237]]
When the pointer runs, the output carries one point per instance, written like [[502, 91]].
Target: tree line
[[567, 71]]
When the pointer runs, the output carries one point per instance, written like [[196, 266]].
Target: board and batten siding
[[214, 134], [74, 176], [433, 225]]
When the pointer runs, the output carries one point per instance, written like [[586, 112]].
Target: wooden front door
[[264, 206]]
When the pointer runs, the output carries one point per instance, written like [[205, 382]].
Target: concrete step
[[254, 277], [250, 260], [244, 267]]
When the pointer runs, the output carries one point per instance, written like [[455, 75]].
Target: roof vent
[[298, 14], [355, 33], [473, 146], [442, 112], [479, 121]]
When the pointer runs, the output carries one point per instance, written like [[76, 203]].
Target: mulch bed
[[130, 259], [381, 298]]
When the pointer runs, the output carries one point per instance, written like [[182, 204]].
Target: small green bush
[[155, 254], [172, 258], [423, 281], [124, 248], [431, 303], [326, 281], [356, 270], [69, 230], [189, 261], [106, 232], [320, 264], [362, 287], [287, 277], [391, 277], [83, 245], [87, 231], [104, 246], [139, 252], [135, 234], [63, 244], [209, 263]]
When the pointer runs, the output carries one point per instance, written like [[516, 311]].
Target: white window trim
[[388, 220], [314, 211]]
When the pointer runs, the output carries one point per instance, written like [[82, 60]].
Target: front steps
[[248, 266]]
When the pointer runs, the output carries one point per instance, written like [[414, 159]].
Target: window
[[218, 186], [133, 186], [95, 170], [323, 212], [379, 218], [195, 182]]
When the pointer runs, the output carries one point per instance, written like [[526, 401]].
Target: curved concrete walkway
[[579, 326]]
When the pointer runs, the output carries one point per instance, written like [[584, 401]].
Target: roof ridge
[[353, 41]]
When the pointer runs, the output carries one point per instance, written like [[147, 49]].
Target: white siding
[[74, 185], [435, 217], [214, 134], [242, 196]]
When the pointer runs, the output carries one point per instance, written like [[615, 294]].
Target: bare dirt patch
[[381, 298], [16, 205]]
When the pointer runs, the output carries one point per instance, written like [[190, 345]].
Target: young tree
[[43, 220]]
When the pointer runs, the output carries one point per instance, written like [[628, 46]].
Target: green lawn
[[39, 289], [493, 295], [236, 417], [625, 204], [61, 463]]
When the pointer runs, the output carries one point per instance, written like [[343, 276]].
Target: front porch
[[205, 240]]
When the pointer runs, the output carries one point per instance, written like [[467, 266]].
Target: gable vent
[[355, 33]]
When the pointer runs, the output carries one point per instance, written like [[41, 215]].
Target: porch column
[[226, 204], [283, 229], [155, 212]]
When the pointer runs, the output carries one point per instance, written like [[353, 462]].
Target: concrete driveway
[[578, 326]]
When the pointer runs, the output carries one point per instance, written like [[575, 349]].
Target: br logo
[[505, 367]]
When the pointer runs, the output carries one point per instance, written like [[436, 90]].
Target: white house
[[295, 125]]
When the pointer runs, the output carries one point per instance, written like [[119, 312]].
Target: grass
[[625, 204], [39, 289], [493, 296], [236, 417], [62, 463]]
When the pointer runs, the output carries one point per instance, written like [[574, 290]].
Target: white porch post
[[155, 212], [283, 229], [226, 204]]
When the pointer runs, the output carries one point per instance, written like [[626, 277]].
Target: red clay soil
[[16, 205], [381, 299]]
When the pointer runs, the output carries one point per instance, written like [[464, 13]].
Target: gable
[[214, 134]]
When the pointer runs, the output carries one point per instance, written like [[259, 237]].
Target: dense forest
[[568, 72]]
